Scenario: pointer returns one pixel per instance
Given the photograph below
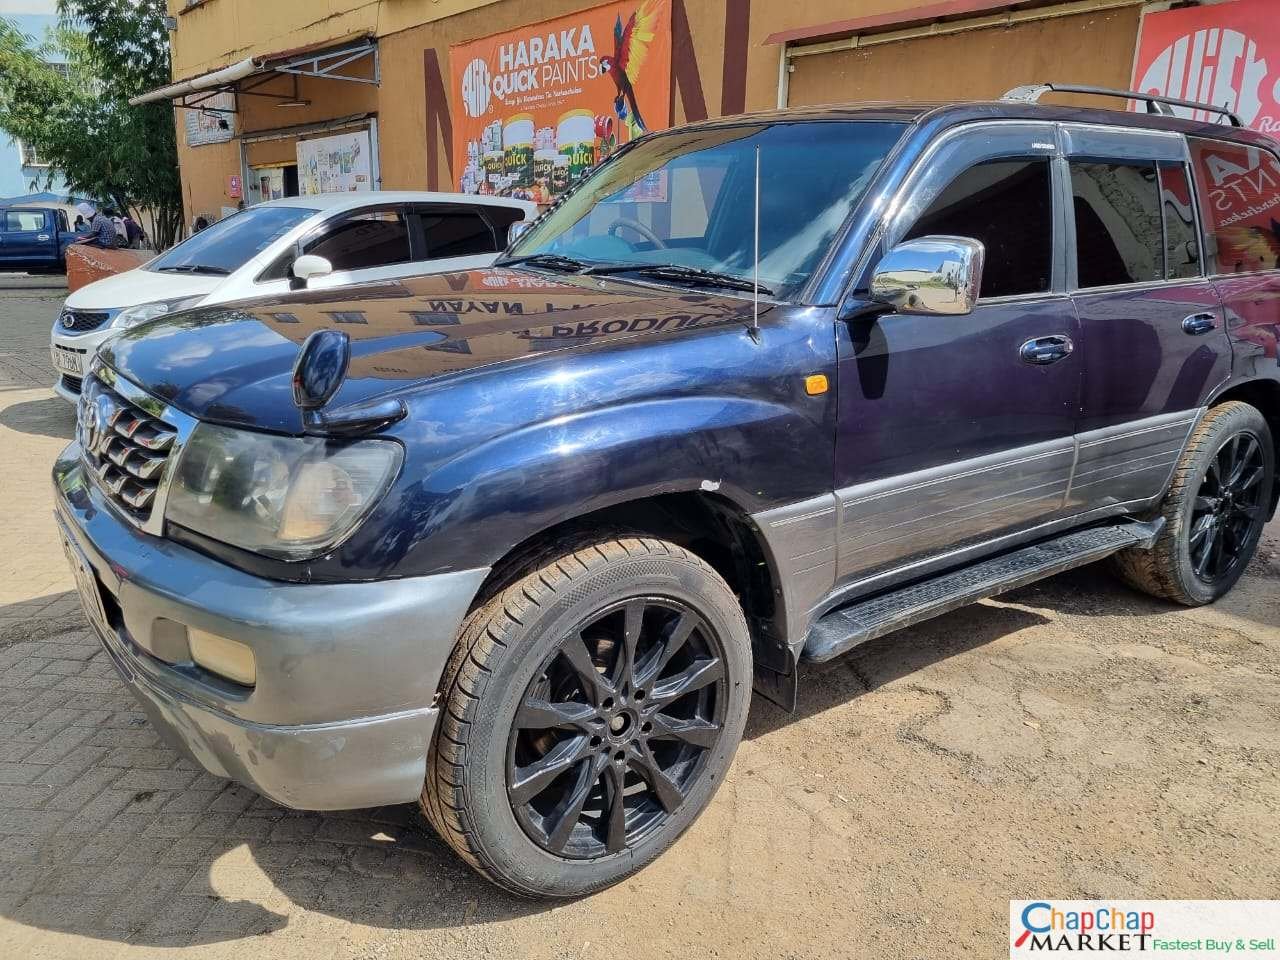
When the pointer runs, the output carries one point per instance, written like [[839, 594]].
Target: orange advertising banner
[[543, 104]]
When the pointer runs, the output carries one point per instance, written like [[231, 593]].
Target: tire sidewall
[[1240, 419], [503, 840]]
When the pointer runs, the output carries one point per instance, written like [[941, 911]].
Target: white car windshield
[[679, 206], [231, 243]]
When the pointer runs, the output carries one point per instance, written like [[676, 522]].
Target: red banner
[[1226, 54]]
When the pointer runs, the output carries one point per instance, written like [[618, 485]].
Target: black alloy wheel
[[1228, 511], [1215, 508], [616, 727]]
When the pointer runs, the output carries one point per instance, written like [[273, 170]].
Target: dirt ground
[[1072, 740]]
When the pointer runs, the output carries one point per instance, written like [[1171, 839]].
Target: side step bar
[[846, 627]]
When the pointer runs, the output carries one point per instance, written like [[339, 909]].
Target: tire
[[1169, 570], [521, 653]]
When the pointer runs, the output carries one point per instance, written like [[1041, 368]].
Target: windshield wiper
[[695, 276], [196, 268], [552, 261]]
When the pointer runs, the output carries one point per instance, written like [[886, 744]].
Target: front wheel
[[588, 714], [1215, 510]]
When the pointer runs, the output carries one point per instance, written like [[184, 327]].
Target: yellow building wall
[[219, 32], [216, 33]]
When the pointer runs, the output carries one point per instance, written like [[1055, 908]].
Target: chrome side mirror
[[309, 265], [932, 276], [518, 230]]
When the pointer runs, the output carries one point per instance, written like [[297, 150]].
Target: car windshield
[[231, 243], [683, 202]]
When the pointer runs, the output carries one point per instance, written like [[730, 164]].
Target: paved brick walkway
[[1073, 740]]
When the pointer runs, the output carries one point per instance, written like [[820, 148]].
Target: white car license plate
[[87, 587], [68, 361]]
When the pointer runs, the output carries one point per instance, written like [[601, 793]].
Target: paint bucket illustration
[[559, 174], [517, 149], [576, 139]]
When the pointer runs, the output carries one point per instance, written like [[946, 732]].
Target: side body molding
[[862, 539]]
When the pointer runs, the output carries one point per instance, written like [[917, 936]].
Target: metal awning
[[328, 62]]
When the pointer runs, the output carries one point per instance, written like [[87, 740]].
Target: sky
[[28, 6]]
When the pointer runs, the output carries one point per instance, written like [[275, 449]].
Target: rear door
[[29, 239], [1152, 329], [952, 431]]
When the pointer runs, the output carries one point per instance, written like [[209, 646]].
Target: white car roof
[[329, 202]]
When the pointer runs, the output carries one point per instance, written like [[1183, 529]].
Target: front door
[[1152, 325], [956, 430], [28, 239]]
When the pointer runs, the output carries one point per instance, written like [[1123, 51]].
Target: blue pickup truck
[[34, 238]]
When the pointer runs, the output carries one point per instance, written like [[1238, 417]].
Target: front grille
[[82, 321], [73, 384], [124, 446]]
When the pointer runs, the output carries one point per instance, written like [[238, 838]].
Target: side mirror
[[309, 265], [518, 230], [932, 276]]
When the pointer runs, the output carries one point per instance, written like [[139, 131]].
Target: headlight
[[132, 316], [285, 497]]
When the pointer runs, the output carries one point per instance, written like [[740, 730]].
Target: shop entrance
[[274, 181]]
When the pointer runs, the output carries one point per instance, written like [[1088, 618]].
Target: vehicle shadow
[[872, 665], [107, 833], [50, 417]]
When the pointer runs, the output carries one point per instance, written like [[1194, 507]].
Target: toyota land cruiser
[[520, 541]]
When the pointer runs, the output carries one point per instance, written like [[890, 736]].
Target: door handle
[[42, 237], [1198, 324], [1046, 350]]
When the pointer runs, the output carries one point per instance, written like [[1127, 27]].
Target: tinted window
[[1182, 240], [377, 238], [1240, 200], [1008, 205], [457, 234], [23, 220], [1119, 235], [502, 218], [229, 244]]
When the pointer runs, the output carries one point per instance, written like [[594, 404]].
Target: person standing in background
[[102, 232]]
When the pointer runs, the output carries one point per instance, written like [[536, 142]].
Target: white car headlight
[[291, 498], [132, 316]]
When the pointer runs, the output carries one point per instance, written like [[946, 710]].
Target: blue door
[[952, 431]]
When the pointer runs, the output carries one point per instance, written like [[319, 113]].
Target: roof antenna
[[754, 330]]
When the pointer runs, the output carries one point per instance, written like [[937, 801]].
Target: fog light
[[227, 658]]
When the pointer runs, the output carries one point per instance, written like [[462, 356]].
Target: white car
[[344, 237]]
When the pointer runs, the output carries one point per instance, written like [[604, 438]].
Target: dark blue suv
[[520, 542]]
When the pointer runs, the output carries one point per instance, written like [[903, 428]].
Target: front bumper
[[341, 715]]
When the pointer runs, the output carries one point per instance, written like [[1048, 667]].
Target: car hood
[[232, 363], [134, 287]]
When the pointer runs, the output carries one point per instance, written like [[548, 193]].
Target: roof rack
[[1031, 93]]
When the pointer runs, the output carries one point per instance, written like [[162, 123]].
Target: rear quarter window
[[1240, 196]]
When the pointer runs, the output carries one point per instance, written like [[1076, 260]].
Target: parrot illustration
[[630, 45]]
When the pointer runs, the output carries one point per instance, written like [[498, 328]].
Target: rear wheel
[[1215, 510], [590, 711]]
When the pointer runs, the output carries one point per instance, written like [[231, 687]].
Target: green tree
[[79, 119]]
